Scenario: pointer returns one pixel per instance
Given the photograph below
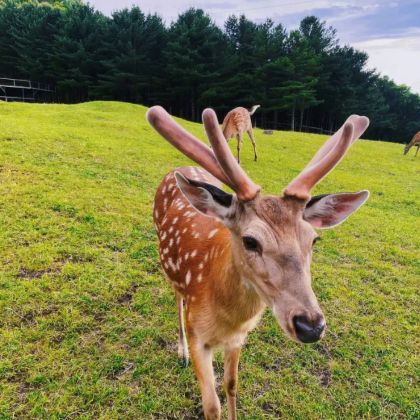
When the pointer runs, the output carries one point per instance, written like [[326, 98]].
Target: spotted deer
[[236, 123], [229, 256], [414, 142]]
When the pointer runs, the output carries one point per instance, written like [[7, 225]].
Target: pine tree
[[192, 60]]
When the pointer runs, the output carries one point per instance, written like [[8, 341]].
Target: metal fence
[[18, 90], [271, 125]]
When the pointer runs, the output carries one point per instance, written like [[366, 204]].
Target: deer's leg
[[182, 343], [231, 379], [251, 135], [239, 137], [202, 359], [418, 147]]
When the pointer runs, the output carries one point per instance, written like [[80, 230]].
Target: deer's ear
[[207, 198], [326, 211]]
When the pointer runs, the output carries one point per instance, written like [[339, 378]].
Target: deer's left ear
[[207, 198], [326, 211]]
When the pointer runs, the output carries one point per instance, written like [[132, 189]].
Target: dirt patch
[[325, 376], [27, 274], [125, 298]]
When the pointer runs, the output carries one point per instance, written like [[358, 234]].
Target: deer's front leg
[[231, 379], [418, 147], [202, 359], [182, 343]]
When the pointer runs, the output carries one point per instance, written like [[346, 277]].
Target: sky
[[389, 31]]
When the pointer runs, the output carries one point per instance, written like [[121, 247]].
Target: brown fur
[[414, 142], [235, 124], [203, 262], [254, 251]]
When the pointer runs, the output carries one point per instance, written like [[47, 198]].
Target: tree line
[[301, 78]]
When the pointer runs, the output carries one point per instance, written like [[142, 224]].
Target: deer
[[414, 142], [228, 256], [236, 123]]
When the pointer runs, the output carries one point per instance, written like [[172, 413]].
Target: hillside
[[88, 325]]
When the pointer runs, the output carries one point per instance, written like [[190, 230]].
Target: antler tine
[[360, 126], [302, 185], [185, 142], [245, 189]]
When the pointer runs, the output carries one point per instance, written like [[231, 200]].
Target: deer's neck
[[233, 292]]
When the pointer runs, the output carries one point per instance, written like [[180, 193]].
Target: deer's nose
[[308, 331]]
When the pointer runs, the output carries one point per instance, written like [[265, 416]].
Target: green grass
[[88, 325]]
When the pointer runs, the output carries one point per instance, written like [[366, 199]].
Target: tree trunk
[[301, 120], [192, 106], [293, 116]]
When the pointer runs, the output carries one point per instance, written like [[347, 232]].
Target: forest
[[304, 79]]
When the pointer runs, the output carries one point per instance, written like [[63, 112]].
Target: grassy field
[[88, 325]]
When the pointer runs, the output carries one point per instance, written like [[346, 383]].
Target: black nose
[[307, 331]]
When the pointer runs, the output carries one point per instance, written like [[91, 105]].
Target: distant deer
[[228, 256], [414, 142], [236, 123]]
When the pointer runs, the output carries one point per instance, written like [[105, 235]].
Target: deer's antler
[[327, 157], [185, 142], [245, 189], [224, 167]]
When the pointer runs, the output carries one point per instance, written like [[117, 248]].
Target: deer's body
[[228, 256], [236, 123], [414, 142], [196, 256]]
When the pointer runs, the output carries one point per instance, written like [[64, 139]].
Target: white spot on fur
[[188, 278], [171, 242], [175, 220], [200, 277], [201, 266], [213, 232], [194, 253], [163, 236]]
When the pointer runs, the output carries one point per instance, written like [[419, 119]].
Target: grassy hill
[[88, 325]]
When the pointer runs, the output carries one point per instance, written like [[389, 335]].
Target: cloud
[[389, 31]]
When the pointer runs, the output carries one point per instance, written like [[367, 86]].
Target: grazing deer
[[414, 142], [228, 256], [236, 123]]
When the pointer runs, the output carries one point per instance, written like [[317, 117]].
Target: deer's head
[[406, 148], [272, 236]]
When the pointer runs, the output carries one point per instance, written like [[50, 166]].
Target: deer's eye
[[250, 244]]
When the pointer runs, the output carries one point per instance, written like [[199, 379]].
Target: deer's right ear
[[207, 198]]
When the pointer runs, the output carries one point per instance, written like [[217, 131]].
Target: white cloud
[[389, 31], [397, 58]]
